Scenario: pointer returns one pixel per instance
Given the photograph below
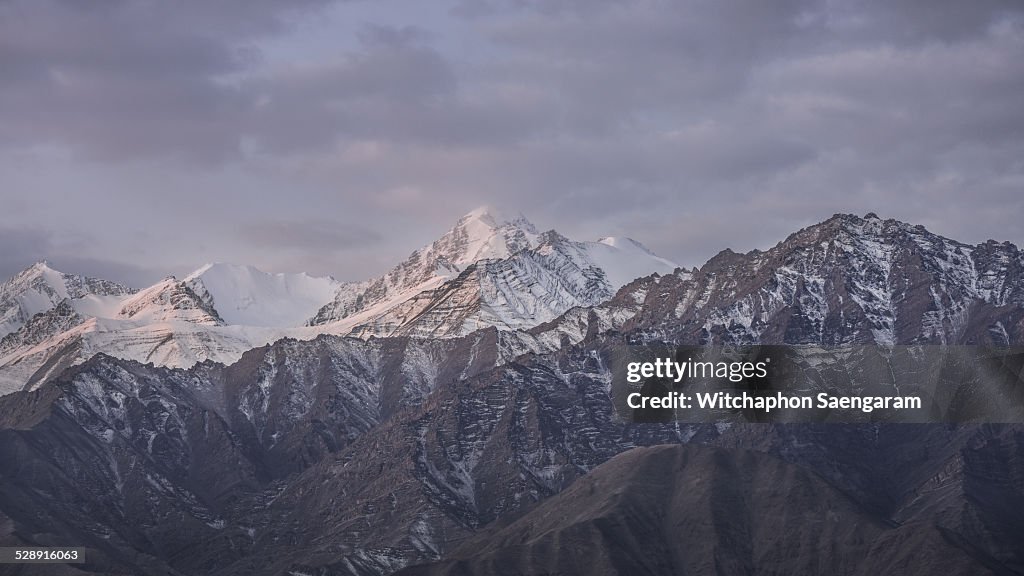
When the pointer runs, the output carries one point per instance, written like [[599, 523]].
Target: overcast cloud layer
[[139, 138]]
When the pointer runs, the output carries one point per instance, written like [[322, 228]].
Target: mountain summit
[[39, 288], [482, 234], [489, 270], [485, 233], [849, 280]]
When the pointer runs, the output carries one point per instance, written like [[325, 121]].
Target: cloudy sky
[[141, 138]]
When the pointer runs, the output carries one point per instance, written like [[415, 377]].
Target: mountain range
[[485, 271], [454, 415]]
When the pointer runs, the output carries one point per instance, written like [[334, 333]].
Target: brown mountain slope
[[701, 510]]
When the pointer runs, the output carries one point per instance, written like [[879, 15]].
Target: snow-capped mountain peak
[[530, 286], [483, 234], [495, 219], [169, 300], [486, 214], [39, 288]]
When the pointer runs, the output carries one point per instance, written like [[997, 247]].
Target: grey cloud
[[129, 274], [126, 79], [398, 89], [694, 125], [309, 235], [20, 248], [916, 21], [380, 91]]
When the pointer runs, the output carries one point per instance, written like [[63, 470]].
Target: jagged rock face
[[492, 447], [172, 300], [298, 401], [125, 461], [846, 281], [39, 287], [142, 440], [43, 325], [326, 478], [473, 452], [38, 309], [162, 469]]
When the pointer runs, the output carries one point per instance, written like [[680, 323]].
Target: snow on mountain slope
[[486, 271], [246, 296], [167, 301], [485, 234], [171, 323], [624, 260], [173, 343], [528, 288], [480, 234], [39, 288]]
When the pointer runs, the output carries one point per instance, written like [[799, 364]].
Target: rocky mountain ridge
[[848, 280], [485, 271]]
